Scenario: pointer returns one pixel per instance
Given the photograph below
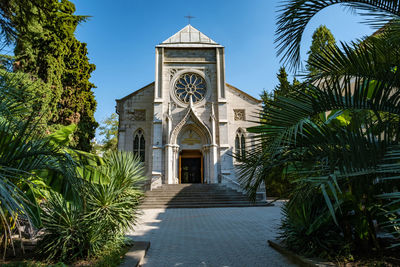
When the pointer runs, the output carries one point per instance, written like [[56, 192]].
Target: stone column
[[220, 54], [214, 163], [169, 163], [169, 158], [213, 147], [206, 167], [175, 164], [157, 141], [157, 133], [222, 155]]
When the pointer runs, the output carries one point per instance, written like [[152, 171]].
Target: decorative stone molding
[[191, 139], [175, 149], [240, 114], [206, 148], [137, 115], [190, 119], [172, 72], [207, 72]]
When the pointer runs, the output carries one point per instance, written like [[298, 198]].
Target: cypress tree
[[46, 48], [322, 38], [284, 87]]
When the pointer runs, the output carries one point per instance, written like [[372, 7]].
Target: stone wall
[[157, 113], [136, 112], [242, 111], [189, 55]]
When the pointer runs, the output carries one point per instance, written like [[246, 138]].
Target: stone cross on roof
[[189, 18]]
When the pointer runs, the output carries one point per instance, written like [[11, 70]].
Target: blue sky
[[122, 35]]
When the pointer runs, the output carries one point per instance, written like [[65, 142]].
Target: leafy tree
[[277, 181], [90, 201], [46, 48], [266, 96], [33, 92], [109, 131], [29, 159], [35, 166], [322, 39], [282, 89]]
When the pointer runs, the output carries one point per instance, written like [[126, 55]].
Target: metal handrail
[[236, 184], [232, 181]]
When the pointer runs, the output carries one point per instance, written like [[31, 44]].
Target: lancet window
[[139, 144]]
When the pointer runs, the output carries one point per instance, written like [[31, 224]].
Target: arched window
[[139, 145], [240, 144]]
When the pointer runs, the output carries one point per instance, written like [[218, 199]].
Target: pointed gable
[[189, 36]]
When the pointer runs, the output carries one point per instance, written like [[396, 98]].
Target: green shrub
[[100, 217], [113, 254], [66, 231], [28, 157], [111, 208], [308, 228]]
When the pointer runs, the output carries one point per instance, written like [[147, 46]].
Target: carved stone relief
[[207, 72], [137, 115], [239, 114], [172, 72], [190, 138]]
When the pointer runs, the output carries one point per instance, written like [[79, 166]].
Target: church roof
[[227, 84], [135, 92], [244, 93], [189, 36]]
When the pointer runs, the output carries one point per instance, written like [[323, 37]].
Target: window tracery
[[139, 145], [190, 86], [240, 144]]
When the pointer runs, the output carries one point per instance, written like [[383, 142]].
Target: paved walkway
[[210, 237]]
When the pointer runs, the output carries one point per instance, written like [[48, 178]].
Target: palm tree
[[339, 133], [29, 160], [100, 217], [37, 167]]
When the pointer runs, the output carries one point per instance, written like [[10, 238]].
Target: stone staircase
[[196, 196]]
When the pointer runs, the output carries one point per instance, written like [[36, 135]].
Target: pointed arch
[[191, 120], [139, 144], [240, 143]]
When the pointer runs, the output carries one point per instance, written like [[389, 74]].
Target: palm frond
[[296, 14], [374, 59]]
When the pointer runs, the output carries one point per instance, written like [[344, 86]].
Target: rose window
[[190, 85]]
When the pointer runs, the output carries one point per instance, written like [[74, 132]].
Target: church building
[[188, 122]]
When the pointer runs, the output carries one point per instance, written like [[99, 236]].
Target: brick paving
[[210, 237]]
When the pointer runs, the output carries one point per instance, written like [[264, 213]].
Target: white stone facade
[[172, 128]]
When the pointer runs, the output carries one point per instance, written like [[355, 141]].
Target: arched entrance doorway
[[191, 149], [191, 167]]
